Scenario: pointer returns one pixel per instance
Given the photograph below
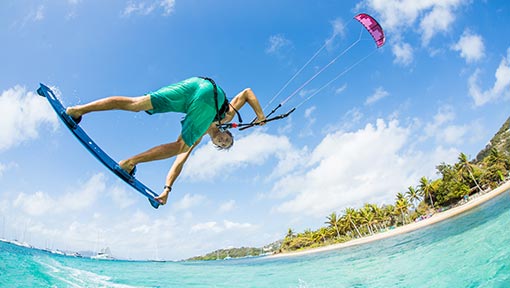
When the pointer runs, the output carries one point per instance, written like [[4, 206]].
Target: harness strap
[[224, 107], [215, 90]]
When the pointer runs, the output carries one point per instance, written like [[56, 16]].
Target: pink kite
[[373, 28]]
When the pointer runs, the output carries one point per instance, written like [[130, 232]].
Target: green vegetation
[[457, 181], [229, 253], [455, 184], [223, 254], [500, 141]]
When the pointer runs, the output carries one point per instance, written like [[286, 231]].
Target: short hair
[[231, 143]]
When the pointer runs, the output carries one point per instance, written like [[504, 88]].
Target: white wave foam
[[75, 277]]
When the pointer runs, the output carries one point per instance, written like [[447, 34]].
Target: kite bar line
[[326, 43], [334, 79], [313, 77], [296, 74], [377, 33], [319, 72]]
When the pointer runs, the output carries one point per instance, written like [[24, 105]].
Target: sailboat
[[104, 254]]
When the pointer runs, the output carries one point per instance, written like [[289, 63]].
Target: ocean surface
[[470, 250]]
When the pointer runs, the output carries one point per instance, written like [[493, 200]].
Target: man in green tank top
[[205, 106]]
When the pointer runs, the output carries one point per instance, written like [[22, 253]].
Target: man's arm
[[174, 172], [176, 168], [245, 96]]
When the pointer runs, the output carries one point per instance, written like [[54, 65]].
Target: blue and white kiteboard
[[94, 149]]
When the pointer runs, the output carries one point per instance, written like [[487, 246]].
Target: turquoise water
[[471, 250]]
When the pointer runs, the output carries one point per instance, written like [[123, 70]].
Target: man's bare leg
[[157, 153], [134, 104]]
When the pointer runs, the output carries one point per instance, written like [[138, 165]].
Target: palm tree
[[308, 235], [351, 216], [290, 233], [495, 157], [426, 189], [378, 216], [465, 166], [320, 235], [412, 196], [367, 217], [334, 222], [497, 164], [402, 206], [387, 215]]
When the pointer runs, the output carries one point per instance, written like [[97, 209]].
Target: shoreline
[[436, 218]]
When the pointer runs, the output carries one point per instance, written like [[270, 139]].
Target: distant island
[[243, 252], [457, 185]]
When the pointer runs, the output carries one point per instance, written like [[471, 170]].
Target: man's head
[[223, 140]]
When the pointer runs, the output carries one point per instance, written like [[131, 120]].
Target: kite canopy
[[373, 28]]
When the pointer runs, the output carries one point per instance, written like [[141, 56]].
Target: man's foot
[[71, 111], [163, 197], [128, 166]]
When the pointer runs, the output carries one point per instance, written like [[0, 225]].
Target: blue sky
[[440, 86]]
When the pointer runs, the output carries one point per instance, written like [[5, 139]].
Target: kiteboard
[[93, 148]]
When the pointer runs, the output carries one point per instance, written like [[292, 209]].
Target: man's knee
[[183, 147]]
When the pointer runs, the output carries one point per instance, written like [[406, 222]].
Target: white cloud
[[338, 30], [403, 53], [188, 201], [308, 113], [146, 7], [340, 89], [310, 120], [254, 149], [379, 94], [338, 27], [140, 8], [39, 13], [36, 204], [2, 169], [438, 20], [433, 15], [443, 131], [470, 46], [35, 15], [207, 226], [276, 44], [227, 206], [41, 203], [442, 117], [399, 17], [501, 87], [121, 197], [168, 6], [215, 227], [23, 112], [453, 134], [351, 168]]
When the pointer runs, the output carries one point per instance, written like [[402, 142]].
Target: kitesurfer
[[206, 108]]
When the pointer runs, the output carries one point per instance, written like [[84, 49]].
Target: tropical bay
[[460, 187]]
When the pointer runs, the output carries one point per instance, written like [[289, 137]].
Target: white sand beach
[[438, 217]]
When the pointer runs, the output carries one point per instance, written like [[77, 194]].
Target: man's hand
[[260, 121]]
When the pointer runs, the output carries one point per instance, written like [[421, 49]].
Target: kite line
[[368, 23]]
